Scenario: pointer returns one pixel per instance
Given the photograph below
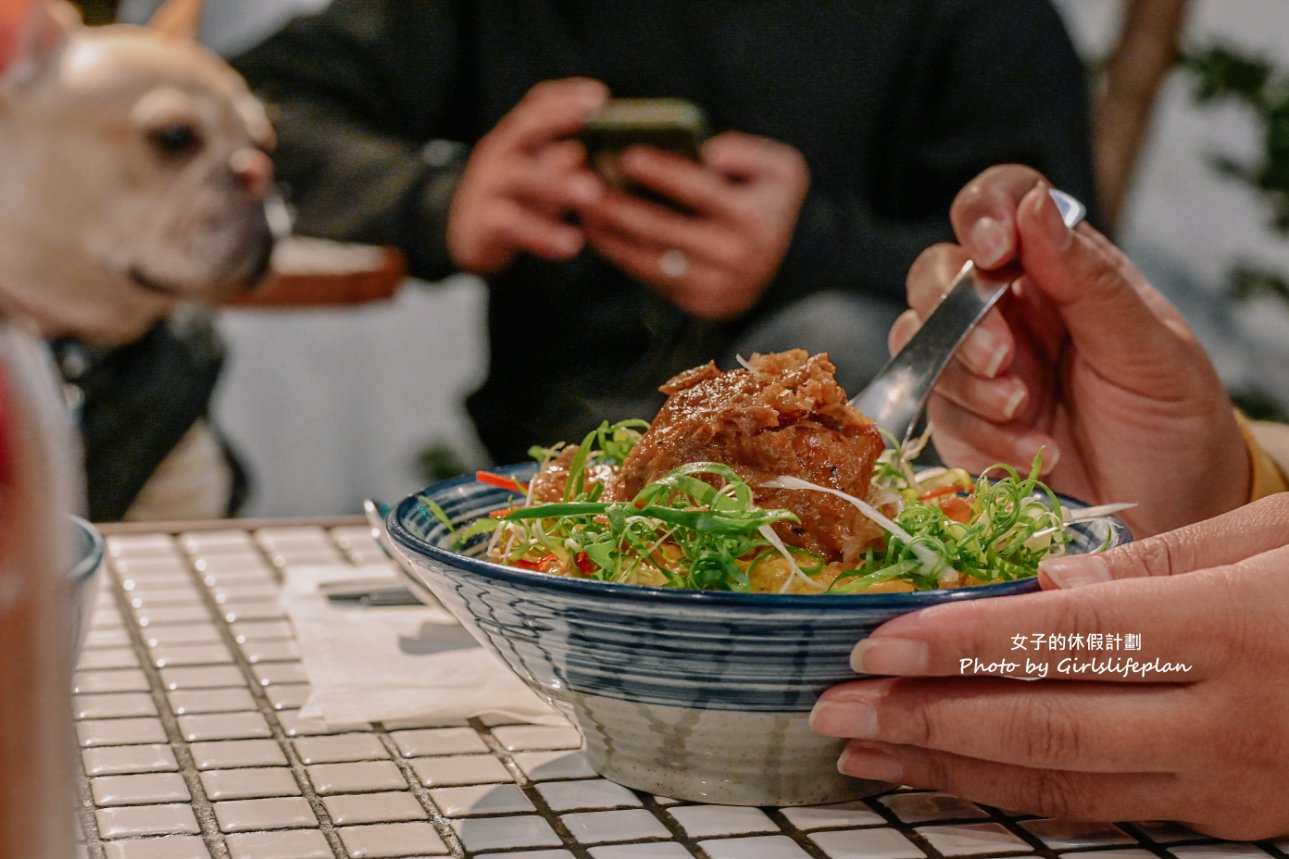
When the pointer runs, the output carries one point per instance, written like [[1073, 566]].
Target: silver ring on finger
[[673, 263]]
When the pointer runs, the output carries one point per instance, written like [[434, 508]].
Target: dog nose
[[253, 171]]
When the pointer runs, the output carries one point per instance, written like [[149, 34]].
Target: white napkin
[[396, 662]]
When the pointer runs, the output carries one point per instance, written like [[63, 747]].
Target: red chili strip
[[541, 564], [957, 509], [501, 482]]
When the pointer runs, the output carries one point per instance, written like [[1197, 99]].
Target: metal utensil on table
[[374, 591], [894, 399], [369, 591]]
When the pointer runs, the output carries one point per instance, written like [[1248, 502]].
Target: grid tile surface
[[187, 698]]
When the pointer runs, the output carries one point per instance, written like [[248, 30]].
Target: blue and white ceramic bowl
[[87, 560], [700, 696]]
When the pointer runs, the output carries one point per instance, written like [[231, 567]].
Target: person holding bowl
[[1166, 717]]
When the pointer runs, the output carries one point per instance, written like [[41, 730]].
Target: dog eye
[[175, 140]]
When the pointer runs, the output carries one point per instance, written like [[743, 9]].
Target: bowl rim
[[87, 564], [413, 545]]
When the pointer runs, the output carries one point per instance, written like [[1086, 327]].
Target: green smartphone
[[672, 124]]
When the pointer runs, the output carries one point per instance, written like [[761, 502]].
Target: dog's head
[[134, 172]]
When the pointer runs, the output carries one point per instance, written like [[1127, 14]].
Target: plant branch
[[1146, 50]]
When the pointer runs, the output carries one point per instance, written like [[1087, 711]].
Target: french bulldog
[[135, 172], [135, 182]]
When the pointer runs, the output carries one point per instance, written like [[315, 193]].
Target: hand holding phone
[[723, 231], [524, 180], [671, 124]]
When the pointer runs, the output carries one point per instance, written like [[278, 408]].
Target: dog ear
[[30, 32], [178, 18]]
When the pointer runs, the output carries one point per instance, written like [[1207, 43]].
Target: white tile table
[[187, 699]]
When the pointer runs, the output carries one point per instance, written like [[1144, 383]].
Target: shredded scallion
[[699, 526]]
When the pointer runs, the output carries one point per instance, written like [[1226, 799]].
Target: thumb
[[1111, 313], [1227, 539]]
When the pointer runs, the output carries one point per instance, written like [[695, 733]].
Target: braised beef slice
[[784, 416], [551, 481]]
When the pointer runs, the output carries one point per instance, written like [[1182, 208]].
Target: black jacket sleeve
[[354, 92], [995, 81]]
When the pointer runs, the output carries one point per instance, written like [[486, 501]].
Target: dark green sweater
[[895, 103]]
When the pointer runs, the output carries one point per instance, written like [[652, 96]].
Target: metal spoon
[[378, 592], [894, 399]]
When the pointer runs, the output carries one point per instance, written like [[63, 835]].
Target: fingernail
[[843, 719], [894, 656], [986, 350], [1076, 571], [996, 360], [1049, 218], [1051, 456], [870, 762], [990, 242], [1013, 402]]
